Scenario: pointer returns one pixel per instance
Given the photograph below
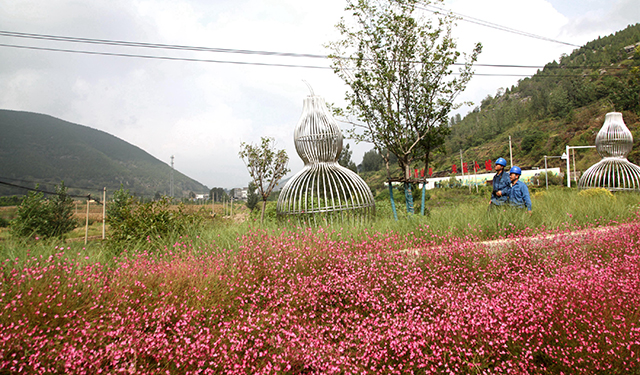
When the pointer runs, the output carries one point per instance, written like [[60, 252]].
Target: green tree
[[397, 64], [61, 210], [345, 159], [372, 161], [252, 197], [44, 218], [266, 166], [218, 194]]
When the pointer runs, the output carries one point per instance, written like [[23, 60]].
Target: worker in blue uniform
[[501, 184], [519, 193]]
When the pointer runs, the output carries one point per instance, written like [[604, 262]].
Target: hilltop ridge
[[40, 148]]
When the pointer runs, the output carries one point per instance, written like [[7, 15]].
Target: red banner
[[430, 171], [464, 168], [454, 168], [487, 165]]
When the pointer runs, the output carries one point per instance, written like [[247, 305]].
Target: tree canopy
[[398, 67], [345, 159], [266, 166], [397, 64]]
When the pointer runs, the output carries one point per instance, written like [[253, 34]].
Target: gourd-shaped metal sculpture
[[614, 172], [323, 185]]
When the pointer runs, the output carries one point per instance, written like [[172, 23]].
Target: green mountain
[[562, 104], [36, 148]]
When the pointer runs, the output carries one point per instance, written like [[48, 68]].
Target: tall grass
[[556, 210]]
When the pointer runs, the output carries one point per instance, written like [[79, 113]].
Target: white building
[[528, 177]]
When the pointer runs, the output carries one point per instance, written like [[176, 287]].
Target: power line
[[492, 25], [61, 38], [243, 51], [88, 196], [162, 57], [49, 183], [154, 45], [290, 65]]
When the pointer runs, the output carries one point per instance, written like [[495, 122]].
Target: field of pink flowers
[[301, 302]]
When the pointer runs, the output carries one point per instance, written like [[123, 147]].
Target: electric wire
[[163, 57], [47, 183], [492, 25], [88, 196], [154, 45], [303, 66], [121, 43]]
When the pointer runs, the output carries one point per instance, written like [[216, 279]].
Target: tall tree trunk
[[264, 205], [393, 203], [426, 173], [386, 163]]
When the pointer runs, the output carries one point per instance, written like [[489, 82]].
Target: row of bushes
[[129, 219]]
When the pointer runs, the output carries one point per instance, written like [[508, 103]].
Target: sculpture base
[[613, 174]]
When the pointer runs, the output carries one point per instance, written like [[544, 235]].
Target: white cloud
[[602, 18], [201, 112]]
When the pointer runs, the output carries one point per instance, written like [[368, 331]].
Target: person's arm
[[506, 190], [527, 198]]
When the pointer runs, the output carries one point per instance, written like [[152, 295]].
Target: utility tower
[[171, 185]]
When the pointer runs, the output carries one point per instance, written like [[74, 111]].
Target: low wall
[[480, 179]]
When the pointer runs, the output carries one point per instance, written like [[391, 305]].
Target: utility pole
[[171, 180], [510, 153], [568, 153], [104, 210], [86, 226]]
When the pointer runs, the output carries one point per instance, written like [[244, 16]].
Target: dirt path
[[495, 246]]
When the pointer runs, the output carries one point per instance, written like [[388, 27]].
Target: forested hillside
[[43, 149], [564, 103]]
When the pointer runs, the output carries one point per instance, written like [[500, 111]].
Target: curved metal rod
[[614, 172], [323, 185]]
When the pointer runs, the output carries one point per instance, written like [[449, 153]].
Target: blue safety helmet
[[516, 170], [501, 162]]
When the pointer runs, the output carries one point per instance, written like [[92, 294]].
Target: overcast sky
[[200, 112]]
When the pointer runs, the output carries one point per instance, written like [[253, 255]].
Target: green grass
[[451, 213]]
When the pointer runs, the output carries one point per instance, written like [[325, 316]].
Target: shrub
[[270, 212], [596, 192], [131, 220], [554, 179], [10, 201], [44, 218]]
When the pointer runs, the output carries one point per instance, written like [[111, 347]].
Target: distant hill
[[37, 148]]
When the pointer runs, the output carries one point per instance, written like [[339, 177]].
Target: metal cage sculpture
[[323, 186], [614, 172]]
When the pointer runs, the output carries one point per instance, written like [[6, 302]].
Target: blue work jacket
[[501, 182], [519, 195]]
